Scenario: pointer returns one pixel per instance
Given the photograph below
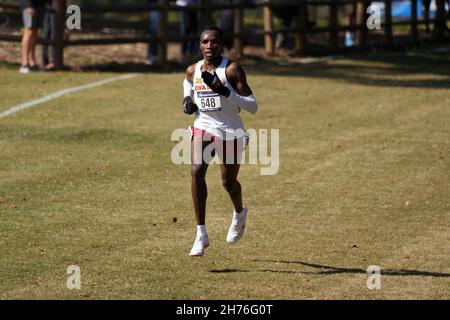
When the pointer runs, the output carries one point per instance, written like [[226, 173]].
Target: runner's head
[[211, 42]]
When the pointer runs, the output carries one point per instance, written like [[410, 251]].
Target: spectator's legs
[[189, 26], [26, 46], [152, 52], [226, 23], [29, 40], [426, 7], [193, 30], [286, 22], [184, 29], [32, 18], [51, 37], [32, 47], [46, 34]]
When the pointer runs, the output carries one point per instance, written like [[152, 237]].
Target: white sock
[[238, 213], [201, 229]]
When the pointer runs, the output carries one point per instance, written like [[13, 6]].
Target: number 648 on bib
[[209, 101]]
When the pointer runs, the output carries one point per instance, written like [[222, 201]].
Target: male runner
[[216, 90]]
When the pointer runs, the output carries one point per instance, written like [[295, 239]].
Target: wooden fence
[[240, 33]]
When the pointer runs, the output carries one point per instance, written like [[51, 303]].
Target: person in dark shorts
[[33, 14]]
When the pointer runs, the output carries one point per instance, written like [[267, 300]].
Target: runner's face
[[210, 45]]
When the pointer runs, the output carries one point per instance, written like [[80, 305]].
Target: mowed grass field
[[87, 180]]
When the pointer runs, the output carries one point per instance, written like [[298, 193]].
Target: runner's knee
[[229, 184], [198, 171]]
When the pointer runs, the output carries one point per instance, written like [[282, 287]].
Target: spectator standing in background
[[226, 23], [349, 39], [48, 34], [190, 24], [33, 14], [152, 52]]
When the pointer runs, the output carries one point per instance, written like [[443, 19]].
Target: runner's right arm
[[189, 107]]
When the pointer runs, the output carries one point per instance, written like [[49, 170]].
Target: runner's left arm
[[241, 94]]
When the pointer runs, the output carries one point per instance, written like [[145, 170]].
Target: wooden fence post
[[440, 22], [269, 43], [58, 40], [414, 33], [163, 30], [388, 21], [207, 13], [361, 31], [300, 37], [334, 33], [237, 29]]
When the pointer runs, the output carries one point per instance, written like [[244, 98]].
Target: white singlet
[[216, 114]]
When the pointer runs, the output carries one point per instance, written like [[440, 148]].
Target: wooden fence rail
[[301, 31]]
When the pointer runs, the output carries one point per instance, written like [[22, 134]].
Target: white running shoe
[[200, 244], [24, 69], [237, 226]]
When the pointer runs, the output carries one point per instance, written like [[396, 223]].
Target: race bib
[[208, 101]]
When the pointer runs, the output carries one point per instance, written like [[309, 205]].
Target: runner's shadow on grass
[[329, 270], [325, 269], [240, 270]]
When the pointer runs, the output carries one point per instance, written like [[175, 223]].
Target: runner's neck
[[213, 64]]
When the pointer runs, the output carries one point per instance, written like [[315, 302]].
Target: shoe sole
[[200, 254], [231, 242], [196, 255]]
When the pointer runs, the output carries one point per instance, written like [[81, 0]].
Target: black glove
[[189, 107], [213, 81]]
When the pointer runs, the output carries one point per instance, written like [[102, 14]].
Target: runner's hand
[[213, 81], [189, 107]]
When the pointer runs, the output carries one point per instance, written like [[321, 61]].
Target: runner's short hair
[[214, 28]]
